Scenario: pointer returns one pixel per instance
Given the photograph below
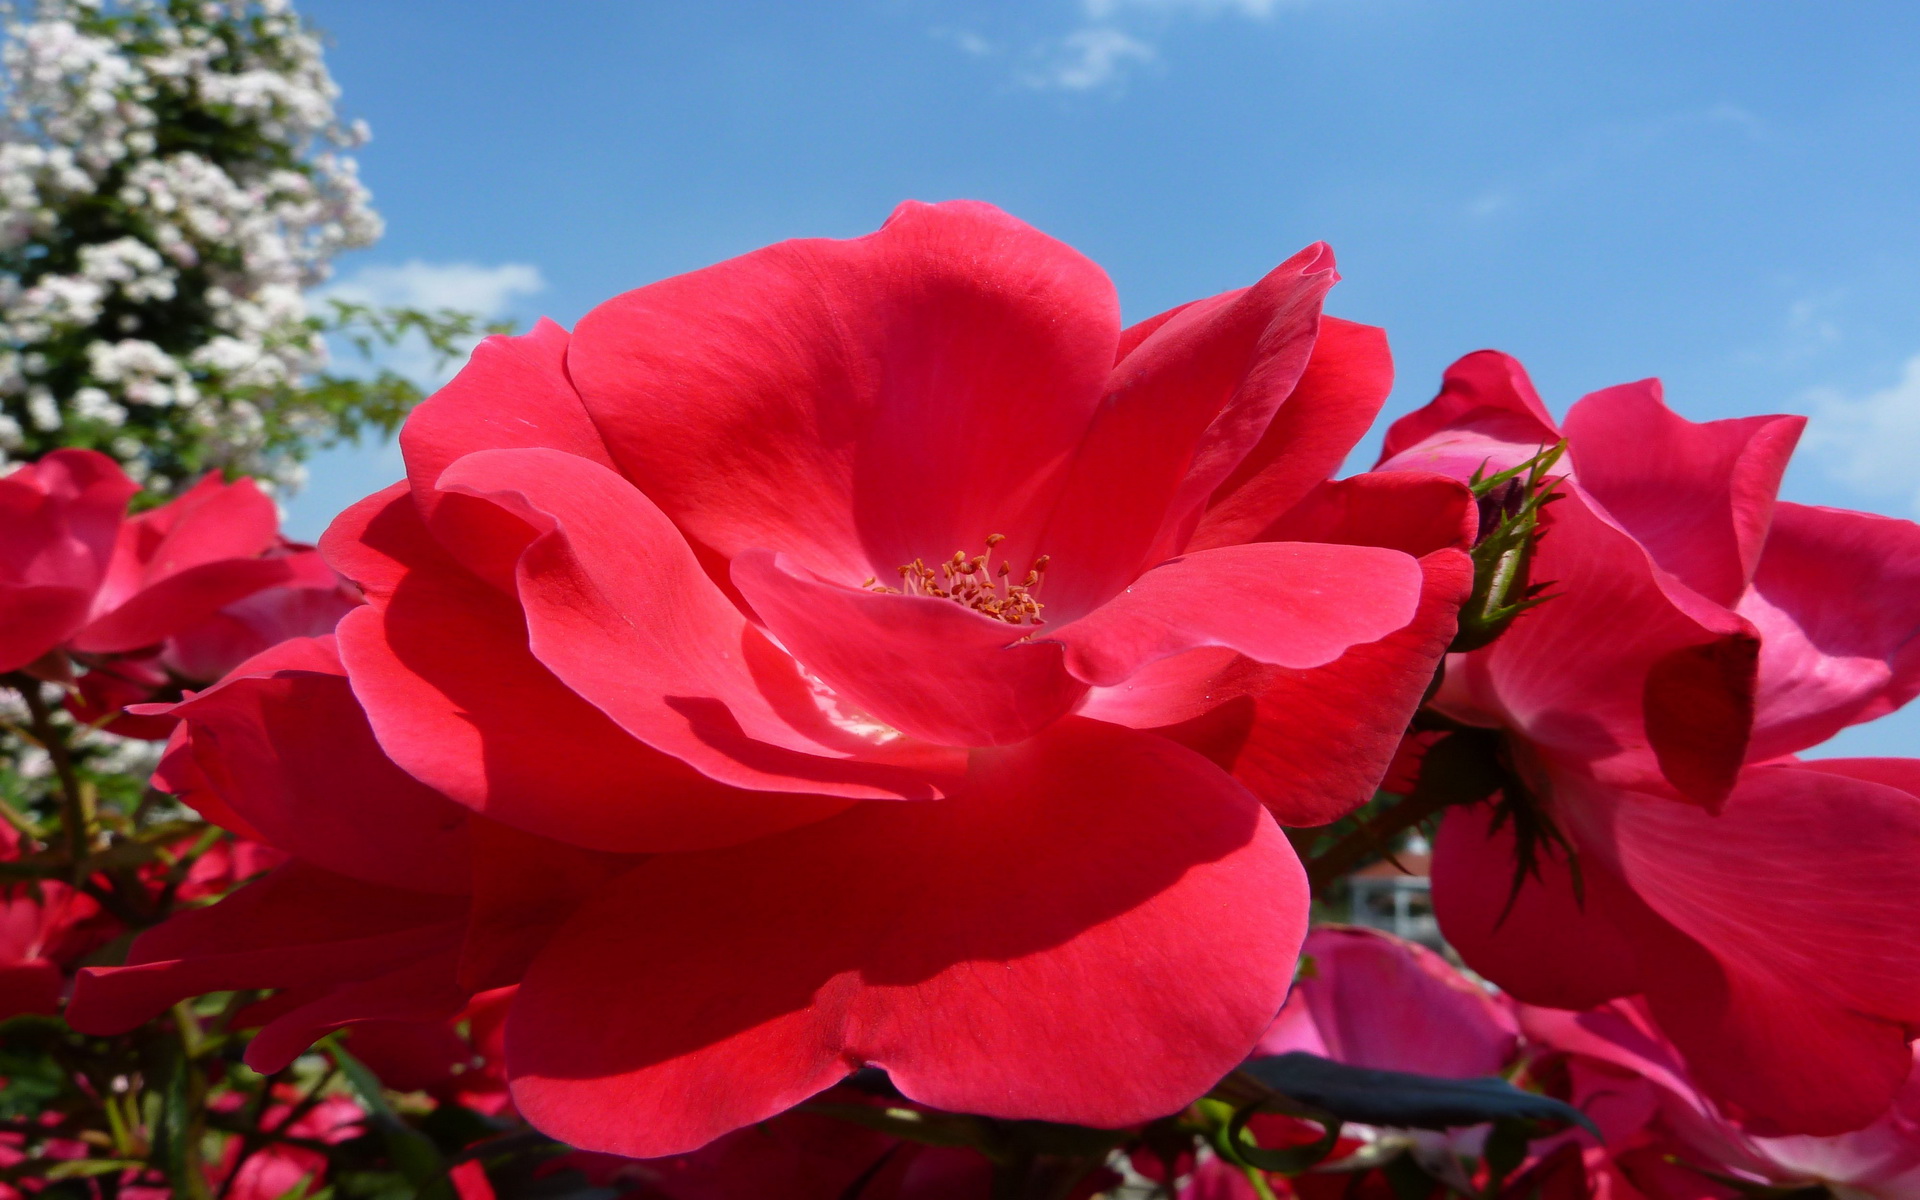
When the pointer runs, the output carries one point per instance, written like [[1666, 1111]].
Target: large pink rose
[[1699, 633], [833, 594]]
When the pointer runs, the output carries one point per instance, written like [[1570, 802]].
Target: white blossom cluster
[[151, 273]]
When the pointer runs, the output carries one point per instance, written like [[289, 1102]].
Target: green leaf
[[1400, 1099], [414, 1154]]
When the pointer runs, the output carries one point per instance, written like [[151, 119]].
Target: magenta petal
[[954, 943], [1837, 602], [923, 665], [1486, 415], [1551, 947], [1698, 497], [1798, 1006], [1376, 1001], [1286, 604], [857, 404]]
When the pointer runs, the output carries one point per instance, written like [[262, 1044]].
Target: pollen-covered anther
[[975, 582]]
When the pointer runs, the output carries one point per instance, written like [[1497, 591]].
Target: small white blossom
[[80, 112]]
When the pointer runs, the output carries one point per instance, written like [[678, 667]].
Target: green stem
[[73, 800]]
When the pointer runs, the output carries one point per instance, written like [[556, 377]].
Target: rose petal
[[1622, 669], [297, 926], [923, 665], [289, 750], [1486, 415], [423, 990], [1698, 497], [440, 662], [513, 392], [1381, 1003], [857, 404], [1181, 412], [1340, 392], [1286, 604], [1551, 947], [1837, 602], [952, 943], [58, 521], [618, 608], [1800, 1014]]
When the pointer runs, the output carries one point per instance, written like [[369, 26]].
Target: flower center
[[975, 582]]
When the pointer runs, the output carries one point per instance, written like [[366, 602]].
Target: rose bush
[[857, 652], [1699, 634]]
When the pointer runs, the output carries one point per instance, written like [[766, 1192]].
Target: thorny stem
[[1370, 838]]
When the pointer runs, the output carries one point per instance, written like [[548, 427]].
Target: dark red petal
[[955, 943], [524, 888], [298, 926], [420, 990], [857, 404], [923, 665], [440, 662], [1699, 497], [1345, 383]]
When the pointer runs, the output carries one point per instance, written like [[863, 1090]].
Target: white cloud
[[468, 287], [1093, 57], [968, 41], [1871, 442]]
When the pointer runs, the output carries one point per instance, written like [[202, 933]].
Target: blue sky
[[1723, 193]]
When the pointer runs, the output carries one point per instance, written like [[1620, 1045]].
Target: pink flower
[[1372, 1000], [845, 582], [58, 518], [180, 594], [1700, 632], [1616, 1047], [278, 1169]]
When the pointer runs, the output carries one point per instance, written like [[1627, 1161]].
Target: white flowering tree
[[173, 178]]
